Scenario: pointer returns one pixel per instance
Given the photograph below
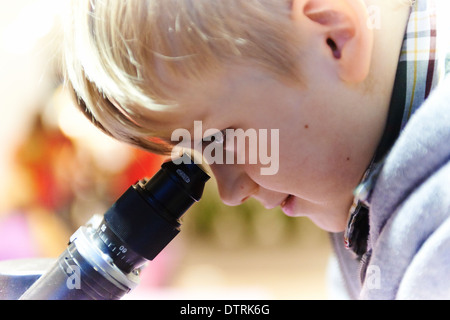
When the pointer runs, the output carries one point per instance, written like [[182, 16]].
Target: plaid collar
[[423, 63]]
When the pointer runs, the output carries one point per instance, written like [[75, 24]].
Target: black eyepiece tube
[[103, 258], [146, 218]]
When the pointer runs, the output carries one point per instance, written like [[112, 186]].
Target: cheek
[[277, 168], [307, 167]]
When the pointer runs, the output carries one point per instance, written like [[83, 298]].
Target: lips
[[285, 201], [288, 205]]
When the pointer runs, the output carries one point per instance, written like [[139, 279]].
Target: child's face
[[317, 166]]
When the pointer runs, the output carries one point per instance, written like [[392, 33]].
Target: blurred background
[[57, 170]]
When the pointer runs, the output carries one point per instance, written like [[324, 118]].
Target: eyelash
[[210, 140]]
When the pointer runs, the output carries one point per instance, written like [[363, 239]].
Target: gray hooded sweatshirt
[[408, 248]]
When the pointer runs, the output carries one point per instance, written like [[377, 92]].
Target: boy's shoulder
[[410, 213], [422, 149], [411, 253]]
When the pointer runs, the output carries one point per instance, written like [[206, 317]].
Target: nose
[[234, 185]]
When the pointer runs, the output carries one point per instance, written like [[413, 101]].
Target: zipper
[[350, 279], [364, 262]]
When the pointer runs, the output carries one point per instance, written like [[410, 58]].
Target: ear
[[341, 28]]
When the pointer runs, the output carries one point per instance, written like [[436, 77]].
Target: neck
[[388, 18]]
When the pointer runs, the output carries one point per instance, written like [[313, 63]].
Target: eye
[[217, 138]]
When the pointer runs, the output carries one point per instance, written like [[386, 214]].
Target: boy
[[325, 76]]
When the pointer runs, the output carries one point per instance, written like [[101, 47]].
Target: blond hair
[[115, 51]]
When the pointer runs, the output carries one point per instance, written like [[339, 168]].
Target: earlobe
[[341, 28]]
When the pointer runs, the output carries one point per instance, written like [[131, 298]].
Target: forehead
[[194, 98], [236, 95], [218, 88]]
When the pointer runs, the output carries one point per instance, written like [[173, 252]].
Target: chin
[[331, 218], [329, 222]]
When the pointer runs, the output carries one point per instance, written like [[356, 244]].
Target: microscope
[[104, 258]]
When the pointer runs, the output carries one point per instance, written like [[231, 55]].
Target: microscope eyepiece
[[146, 217]]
